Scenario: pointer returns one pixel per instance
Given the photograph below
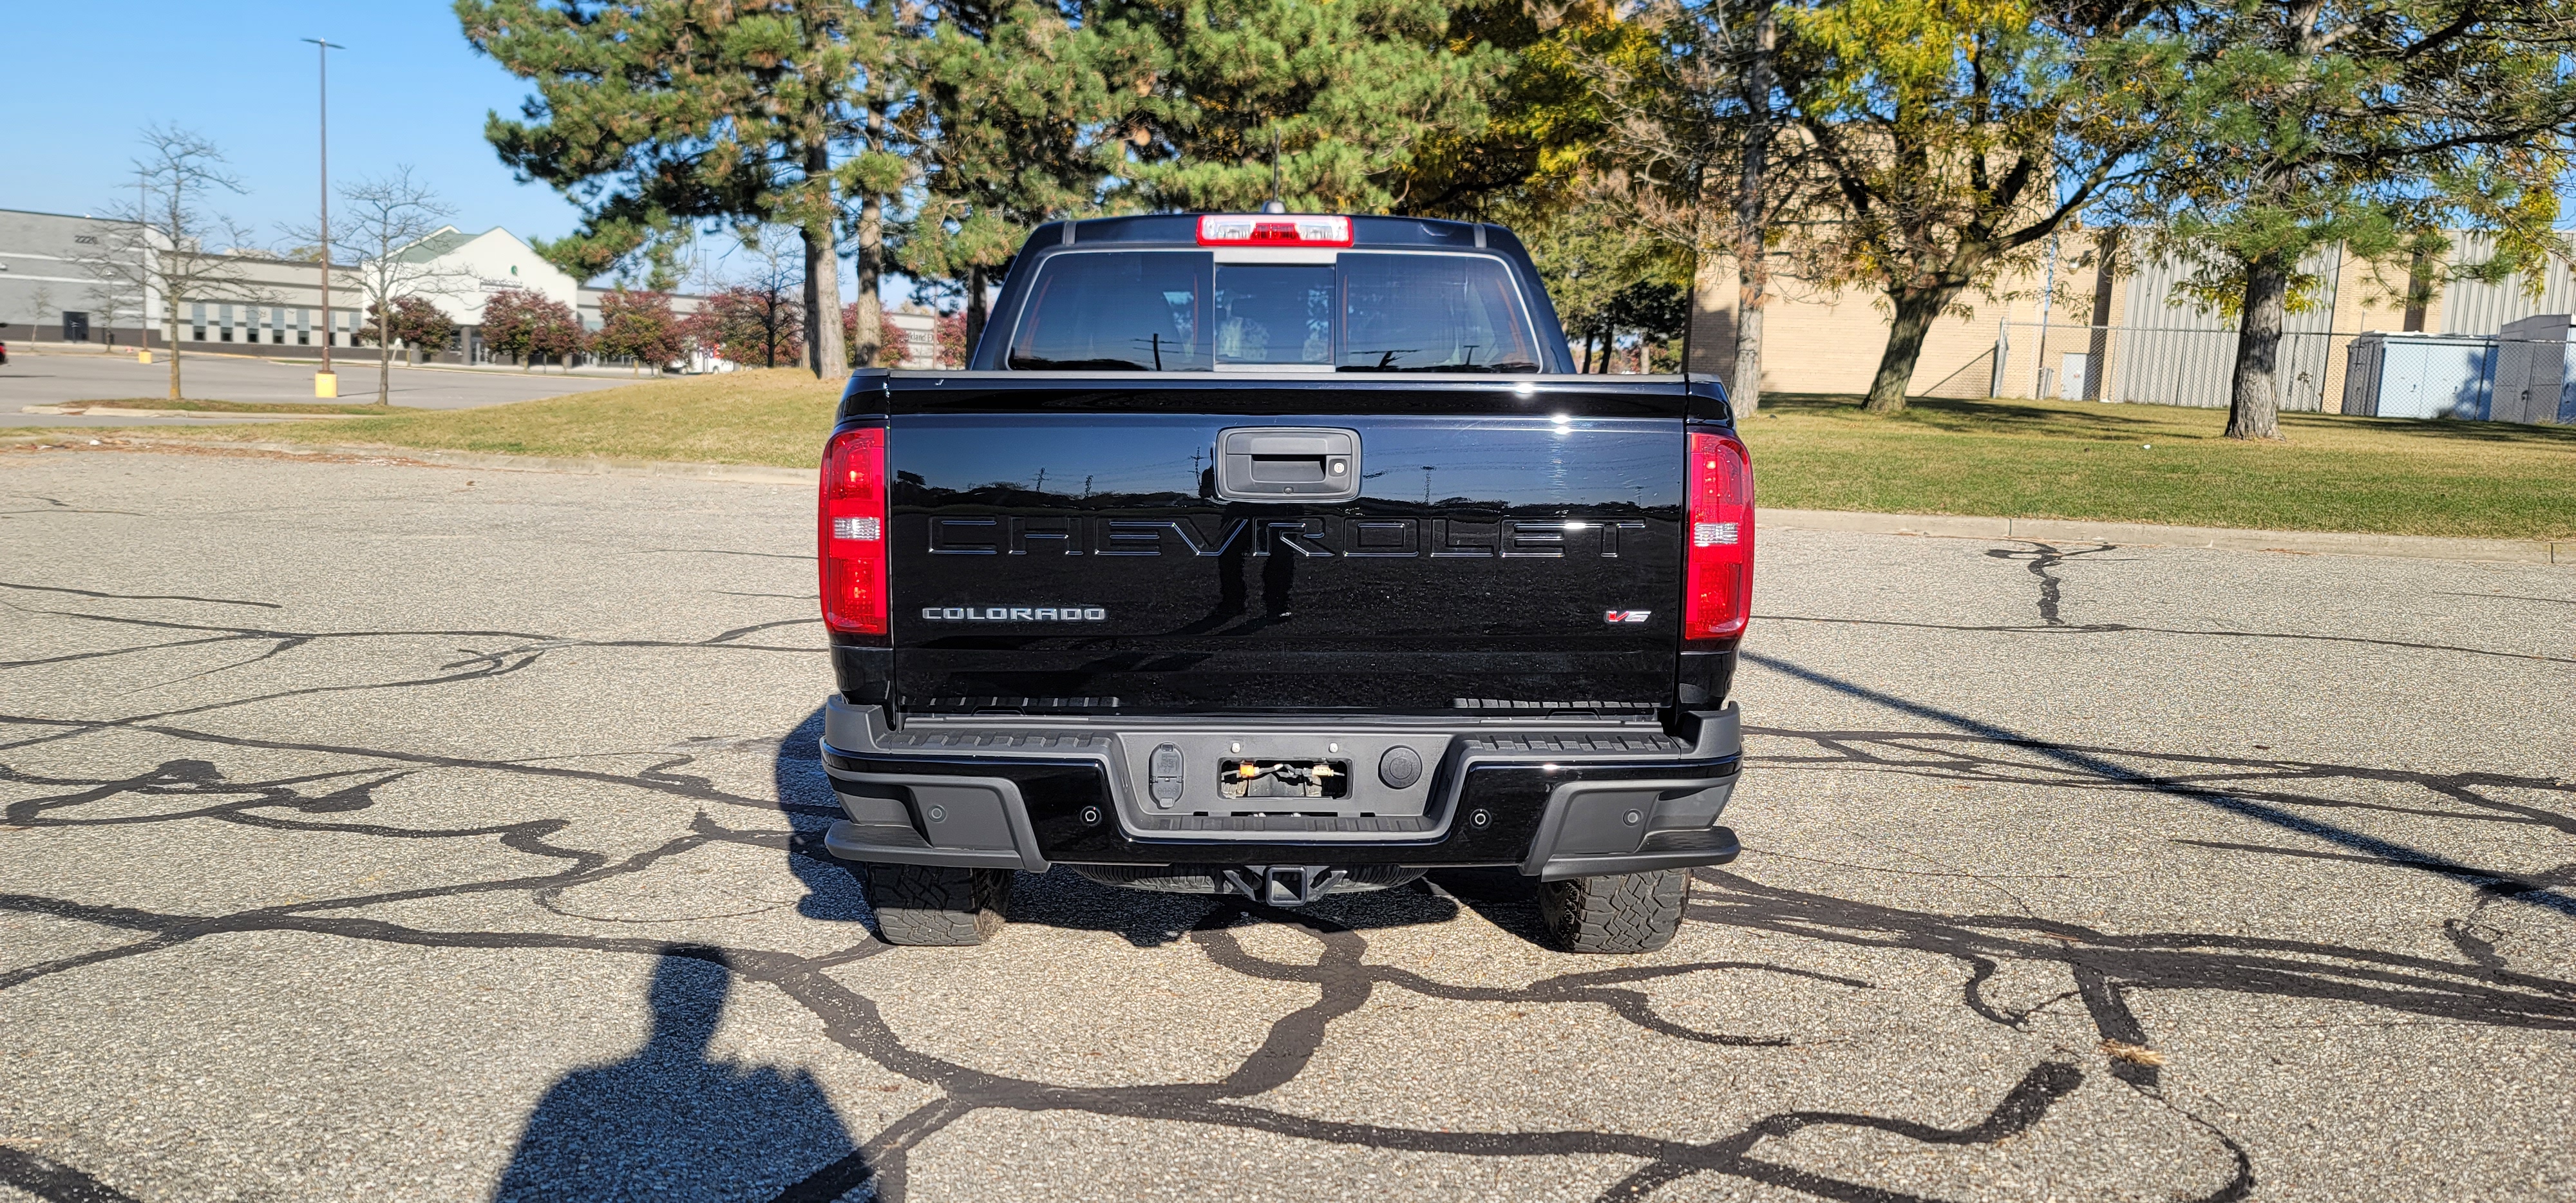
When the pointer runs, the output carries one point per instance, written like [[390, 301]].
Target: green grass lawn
[[774, 416], [2020, 459], [2156, 463]]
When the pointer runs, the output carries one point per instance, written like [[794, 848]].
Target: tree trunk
[[170, 296], [170, 319], [2254, 406], [385, 356], [871, 258], [975, 313], [1752, 260], [1916, 309], [824, 349], [871, 271]]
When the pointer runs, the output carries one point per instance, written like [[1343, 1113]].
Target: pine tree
[[657, 114], [2372, 124], [1336, 99], [1021, 114]]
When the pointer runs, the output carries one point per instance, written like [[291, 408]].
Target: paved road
[[49, 379], [395, 833]]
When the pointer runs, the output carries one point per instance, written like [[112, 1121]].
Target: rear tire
[[937, 906], [1617, 913]]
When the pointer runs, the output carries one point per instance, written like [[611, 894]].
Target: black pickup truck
[[1280, 556]]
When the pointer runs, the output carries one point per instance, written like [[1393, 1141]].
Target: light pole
[[326, 383], [143, 276]]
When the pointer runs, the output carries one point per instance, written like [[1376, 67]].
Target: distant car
[[4, 355]]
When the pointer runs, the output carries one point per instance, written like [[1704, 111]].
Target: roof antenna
[[1274, 204]]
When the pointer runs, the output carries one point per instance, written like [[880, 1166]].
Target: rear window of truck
[[1182, 311]]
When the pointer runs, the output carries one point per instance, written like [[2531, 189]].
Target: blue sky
[[82, 79]]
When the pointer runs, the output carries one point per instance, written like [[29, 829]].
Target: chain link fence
[[2157, 365], [2513, 377]]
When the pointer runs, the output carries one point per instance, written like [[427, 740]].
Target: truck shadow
[[1061, 898]]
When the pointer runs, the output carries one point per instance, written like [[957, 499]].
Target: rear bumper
[[1551, 799]]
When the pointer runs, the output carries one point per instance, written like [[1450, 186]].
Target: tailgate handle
[[1287, 463]]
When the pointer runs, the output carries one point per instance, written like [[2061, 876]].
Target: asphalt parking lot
[[379, 832], [51, 379]]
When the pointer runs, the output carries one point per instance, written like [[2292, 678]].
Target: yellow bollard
[[326, 385], [143, 356]]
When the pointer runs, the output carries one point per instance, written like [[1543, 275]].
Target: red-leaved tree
[[640, 325], [894, 344], [417, 323], [952, 340], [750, 325], [889, 342], [528, 325]]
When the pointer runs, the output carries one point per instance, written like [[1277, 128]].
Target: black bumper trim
[[1549, 804]]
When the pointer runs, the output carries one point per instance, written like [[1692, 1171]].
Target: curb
[[338, 364], [2134, 534], [105, 411], [481, 461], [2332, 543]]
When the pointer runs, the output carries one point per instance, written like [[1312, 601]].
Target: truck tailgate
[[1092, 557]]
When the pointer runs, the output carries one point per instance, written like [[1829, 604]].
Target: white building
[[461, 272], [276, 311]]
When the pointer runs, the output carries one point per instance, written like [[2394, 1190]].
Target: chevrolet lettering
[[1378, 584]]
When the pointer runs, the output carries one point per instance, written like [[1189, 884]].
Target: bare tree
[[38, 303], [388, 218], [751, 315], [1694, 149], [110, 301], [156, 246]]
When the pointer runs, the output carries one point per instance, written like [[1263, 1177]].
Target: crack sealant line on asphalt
[[2388, 852]]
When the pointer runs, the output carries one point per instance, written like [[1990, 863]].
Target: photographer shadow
[[671, 1121]]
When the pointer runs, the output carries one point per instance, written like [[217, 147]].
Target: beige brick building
[[2069, 329]]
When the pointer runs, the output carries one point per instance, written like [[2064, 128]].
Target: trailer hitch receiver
[[1280, 885]]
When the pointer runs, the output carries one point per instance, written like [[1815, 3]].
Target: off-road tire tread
[[938, 906], [1615, 913]]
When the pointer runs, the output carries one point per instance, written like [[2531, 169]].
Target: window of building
[[303, 327], [197, 321], [224, 323]]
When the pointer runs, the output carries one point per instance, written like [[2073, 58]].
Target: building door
[[2074, 377], [75, 327]]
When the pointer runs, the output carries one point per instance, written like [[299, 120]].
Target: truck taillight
[[1718, 574], [852, 539], [1220, 229]]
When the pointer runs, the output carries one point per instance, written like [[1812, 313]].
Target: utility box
[[2535, 377], [2401, 375]]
